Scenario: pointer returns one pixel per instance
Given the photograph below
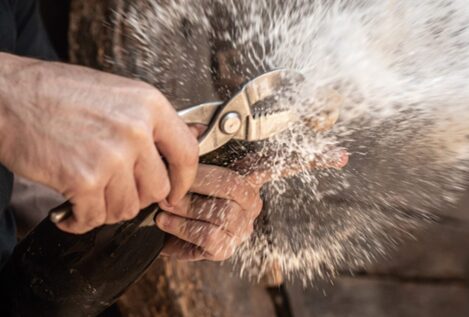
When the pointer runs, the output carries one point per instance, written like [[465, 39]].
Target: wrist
[[7, 64]]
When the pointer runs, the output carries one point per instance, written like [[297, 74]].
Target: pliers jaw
[[258, 111]]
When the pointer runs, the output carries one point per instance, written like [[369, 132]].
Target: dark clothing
[[21, 33], [21, 30]]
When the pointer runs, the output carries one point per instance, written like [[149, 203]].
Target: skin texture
[[218, 214], [96, 138], [215, 218], [113, 146]]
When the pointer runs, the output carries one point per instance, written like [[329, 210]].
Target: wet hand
[[219, 214], [214, 219]]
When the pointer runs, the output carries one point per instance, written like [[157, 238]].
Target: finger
[[151, 178], [219, 212], [121, 196], [89, 212], [218, 244], [182, 251], [266, 173], [223, 183], [179, 147]]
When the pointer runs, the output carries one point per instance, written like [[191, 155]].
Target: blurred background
[[427, 276]]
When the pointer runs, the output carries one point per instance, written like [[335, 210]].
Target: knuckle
[[88, 181], [138, 130], [116, 159], [153, 95], [154, 102]]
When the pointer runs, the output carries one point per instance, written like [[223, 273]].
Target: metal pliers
[[258, 111]]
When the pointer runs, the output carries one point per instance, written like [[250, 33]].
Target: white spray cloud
[[401, 69]]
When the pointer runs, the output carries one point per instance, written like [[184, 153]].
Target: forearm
[[18, 94], [17, 88]]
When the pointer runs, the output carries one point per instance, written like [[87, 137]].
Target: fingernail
[[163, 220], [338, 159], [342, 160]]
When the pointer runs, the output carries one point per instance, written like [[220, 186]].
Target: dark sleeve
[[32, 39]]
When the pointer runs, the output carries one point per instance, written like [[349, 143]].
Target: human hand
[[219, 213], [96, 138], [211, 221]]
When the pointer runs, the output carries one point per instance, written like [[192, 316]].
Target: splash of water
[[400, 69]]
